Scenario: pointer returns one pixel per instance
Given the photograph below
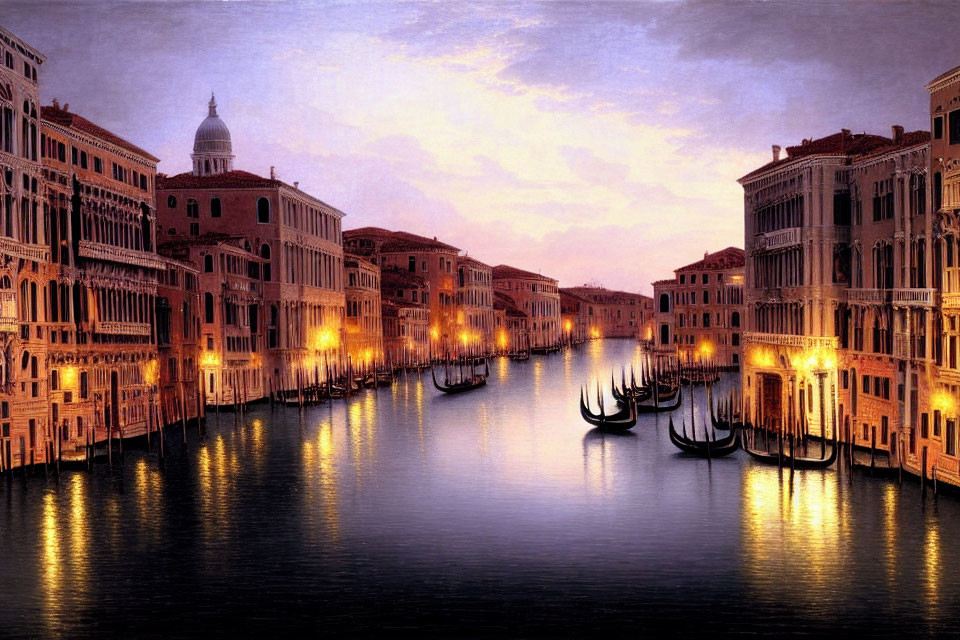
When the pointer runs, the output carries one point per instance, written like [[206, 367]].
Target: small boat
[[704, 448], [474, 381], [661, 408], [625, 418], [784, 458]]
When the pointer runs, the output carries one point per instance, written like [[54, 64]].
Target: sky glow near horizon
[[596, 141]]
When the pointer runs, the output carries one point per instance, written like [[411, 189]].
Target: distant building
[[405, 316], [576, 317], [230, 357], [430, 259], [535, 295], [178, 340], [512, 324], [664, 334], [708, 306], [615, 314], [475, 325], [364, 327]]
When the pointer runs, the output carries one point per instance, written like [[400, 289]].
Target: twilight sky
[[591, 141]]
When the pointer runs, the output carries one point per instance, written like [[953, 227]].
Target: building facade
[[664, 333], [364, 326], [708, 306], [474, 319], [101, 281], [614, 314], [835, 272], [296, 237], [535, 295]]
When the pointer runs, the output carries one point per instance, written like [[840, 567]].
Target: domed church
[[212, 150]]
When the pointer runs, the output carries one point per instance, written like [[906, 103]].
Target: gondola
[[625, 418], [725, 411], [473, 382], [795, 462], [704, 448], [661, 408]]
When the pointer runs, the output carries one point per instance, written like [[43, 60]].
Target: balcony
[[914, 297], [776, 239], [869, 296], [11, 247], [110, 253], [909, 347], [123, 328], [785, 340], [950, 300]]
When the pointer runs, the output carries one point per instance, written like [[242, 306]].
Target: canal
[[494, 513]]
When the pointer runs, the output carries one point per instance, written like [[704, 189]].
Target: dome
[[212, 135]]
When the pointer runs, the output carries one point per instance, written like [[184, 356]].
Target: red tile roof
[[505, 272], [856, 145], [229, 180], [600, 295], [729, 258], [668, 281], [395, 241], [73, 121], [472, 261]]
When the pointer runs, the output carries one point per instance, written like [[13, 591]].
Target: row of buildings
[[843, 312], [130, 298]]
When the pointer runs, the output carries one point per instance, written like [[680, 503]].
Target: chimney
[[776, 152], [844, 136], [56, 103], [66, 106], [296, 184], [273, 172], [898, 134]]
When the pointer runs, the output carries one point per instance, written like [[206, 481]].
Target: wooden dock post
[[873, 448]]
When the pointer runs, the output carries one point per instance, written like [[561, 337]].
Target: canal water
[[496, 513]]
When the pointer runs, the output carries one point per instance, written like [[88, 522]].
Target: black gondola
[[704, 448], [473, 382], [625, 418], [793, 461]]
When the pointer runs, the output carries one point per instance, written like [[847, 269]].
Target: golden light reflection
[[794, 532], [594, 333], [890, 498], [567, 326], [817, 359], [931, 565], [502, 340], [434, 333], [50, 555], [319, 462]]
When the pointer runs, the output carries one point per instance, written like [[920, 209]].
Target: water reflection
[[931, 566], [795, 532], [51, 559], [478, 501]]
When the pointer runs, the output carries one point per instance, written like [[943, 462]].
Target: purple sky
[[594, 141]]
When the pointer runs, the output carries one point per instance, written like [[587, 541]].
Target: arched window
[[664, 334], [171, 202], [664, 303], [265, 254], [263, 210], [193, 209], [735, 319], [214, 207], [208, 308]]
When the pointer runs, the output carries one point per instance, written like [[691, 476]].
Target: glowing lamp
[[943, 402], [151, 371], [209, 359]]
